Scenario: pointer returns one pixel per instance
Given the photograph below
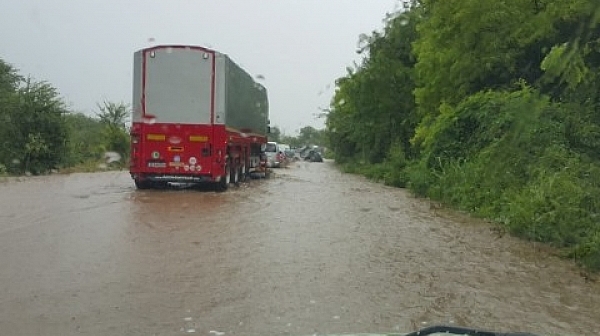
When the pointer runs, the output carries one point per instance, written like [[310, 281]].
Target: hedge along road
[[310, 250]]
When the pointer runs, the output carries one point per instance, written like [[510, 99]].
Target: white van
[[272, 151]]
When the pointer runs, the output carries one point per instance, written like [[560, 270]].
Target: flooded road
[[308, 251]]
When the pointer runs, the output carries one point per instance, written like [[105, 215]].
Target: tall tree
[[275, 134], [114, 117], [36, 129], [373, 107]]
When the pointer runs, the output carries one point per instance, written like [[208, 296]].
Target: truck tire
[[223, 184], [235, 175], [143, 184], [160, 185], [243, 172]]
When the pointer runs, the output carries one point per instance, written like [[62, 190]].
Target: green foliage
[[275, 134], [374, 105], [490, 106], [114, 116], [310, 136], [588, 252], [86, 142], [557, 65], [34, 133], [552, 208], [518, 171], [391, 172], [38, 134], [466, 46], [395, 162]]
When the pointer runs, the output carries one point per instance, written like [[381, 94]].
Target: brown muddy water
[[309, 251]]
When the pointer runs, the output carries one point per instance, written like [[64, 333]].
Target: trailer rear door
[[178, 85]]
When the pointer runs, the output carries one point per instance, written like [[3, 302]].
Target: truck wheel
[[161, 185], [235, 175], [223, 184], [143, 184], [243, 173]]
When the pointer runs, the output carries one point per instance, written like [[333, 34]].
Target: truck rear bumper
[[173, 178]]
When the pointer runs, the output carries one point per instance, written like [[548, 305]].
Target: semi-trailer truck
[[197, 117]]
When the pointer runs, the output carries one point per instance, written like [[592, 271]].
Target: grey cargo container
[[175, 84]]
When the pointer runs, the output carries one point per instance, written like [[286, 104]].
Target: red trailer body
[[197, 118]]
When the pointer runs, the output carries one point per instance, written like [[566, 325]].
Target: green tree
[[466, 46], [373, 107], [9, 78], [9, 83], [36, 130], [86, 138], [291, 140], [114, 117], [275, 134]]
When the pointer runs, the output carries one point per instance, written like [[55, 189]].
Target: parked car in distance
[[284, 150], [313, 156], [272, 153], [291, 155]]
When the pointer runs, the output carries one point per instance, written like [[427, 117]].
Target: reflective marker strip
[[198, 138], [156, 137]]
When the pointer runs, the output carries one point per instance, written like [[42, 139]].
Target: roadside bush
[[391, 171], [420, 178], [395, 165], [588, 252], [375, 171], [519, 172], [551, 209]]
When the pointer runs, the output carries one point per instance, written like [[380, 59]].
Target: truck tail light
[[135, 140], [134, 158]]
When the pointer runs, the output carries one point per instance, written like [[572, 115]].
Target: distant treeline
[[491, 106], [39, 134], [307, 136]]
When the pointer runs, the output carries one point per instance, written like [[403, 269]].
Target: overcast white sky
[[85, 47]]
